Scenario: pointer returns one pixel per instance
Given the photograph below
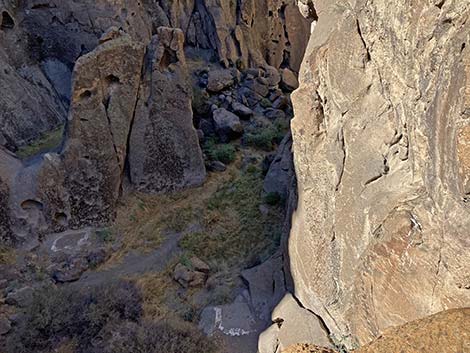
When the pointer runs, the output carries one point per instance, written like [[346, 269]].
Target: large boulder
[[381, 136], [164, 151], [227, 125], [105, 89], [218, 80], [81, 185]]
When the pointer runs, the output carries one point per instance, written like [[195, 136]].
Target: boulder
[[298, 325], [218, 80], [188, 276], [266, 285], [443, 332], [164, 152], [216, 166], [5, 325], [21, 297], [272, 75], [199, 265], [289, 80], [257, 86], [227, 125], [242, 110]]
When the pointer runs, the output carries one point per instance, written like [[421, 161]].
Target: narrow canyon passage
[[251, 176]]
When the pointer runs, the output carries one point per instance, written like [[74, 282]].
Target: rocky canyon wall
[[381, 136], [105, 86]]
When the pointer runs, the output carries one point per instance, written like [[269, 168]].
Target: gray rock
[[231, 320], [257, 87], [189, 277], [274, 114], [248, 97], [20, 297], [269, 340], [242, 110], [219, 80], [281, 171], [199, 265], [5, 325], [227, 124], [60, 76], [164, 152], [272, 75], [69, 271], [266, 285], [281, 102]]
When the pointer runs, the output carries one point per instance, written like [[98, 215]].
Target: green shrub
[[266, 103], [46, 142], [61, 314], [225, 153], [105, 235], [266, 138]]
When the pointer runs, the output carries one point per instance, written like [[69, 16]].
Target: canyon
[[234, 176]]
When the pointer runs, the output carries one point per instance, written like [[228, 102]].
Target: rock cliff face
[[381, 136], [164, 152]]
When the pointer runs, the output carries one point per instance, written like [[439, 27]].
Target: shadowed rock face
[[381, 139]]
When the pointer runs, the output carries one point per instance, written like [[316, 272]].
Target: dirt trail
[[135, 263]]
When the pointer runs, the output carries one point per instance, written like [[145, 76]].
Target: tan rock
[[380, 235], [298, 325]]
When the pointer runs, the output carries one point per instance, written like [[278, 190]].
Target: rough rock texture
[[29, 105], [9, 165], [164, 149], [293, 324], [80, 185], [446, 331], [380, 236], [280, 173], [246, 32]]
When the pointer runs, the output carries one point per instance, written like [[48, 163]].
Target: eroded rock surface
[[164, 148], [380, 135], [446, 331], [110, 109]]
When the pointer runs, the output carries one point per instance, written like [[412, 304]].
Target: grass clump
[[104, 319], [267, 137], [235, 230], [169, 336], [63, 314], [266, 103], [46, 142], [225, 153]]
